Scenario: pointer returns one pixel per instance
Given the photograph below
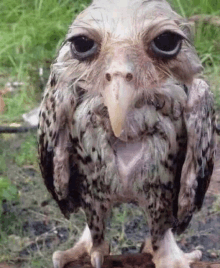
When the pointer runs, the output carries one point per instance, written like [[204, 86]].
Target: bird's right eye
[[167, 45], [83, 47]]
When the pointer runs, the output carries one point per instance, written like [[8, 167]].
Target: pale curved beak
[[117, 97]]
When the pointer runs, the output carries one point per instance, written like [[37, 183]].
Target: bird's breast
[[129, 158], [128, 164]]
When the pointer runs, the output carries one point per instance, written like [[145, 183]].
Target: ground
[[32, 226]]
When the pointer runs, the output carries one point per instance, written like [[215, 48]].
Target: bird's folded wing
[[197, 169], [55, 123]]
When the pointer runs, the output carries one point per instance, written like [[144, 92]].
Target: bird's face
[[126, 50]]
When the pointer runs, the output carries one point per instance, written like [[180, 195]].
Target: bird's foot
[[82, 247], [193, 256], [180, 260], [61, 258], [169, 255], [98, 253]]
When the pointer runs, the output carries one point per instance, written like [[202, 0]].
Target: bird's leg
[[96, 221], [165, 251], [83, 246], [91, 242]]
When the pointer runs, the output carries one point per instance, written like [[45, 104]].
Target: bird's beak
[[117, 97]]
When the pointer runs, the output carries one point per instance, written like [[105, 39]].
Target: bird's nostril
[[108, 77], [129, 77]]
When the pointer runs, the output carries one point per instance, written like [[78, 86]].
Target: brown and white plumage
[[125, 118]]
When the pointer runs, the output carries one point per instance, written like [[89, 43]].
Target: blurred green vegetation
[[7, 191], [31, 33], [207, 38], [187, 8], [27, 152]]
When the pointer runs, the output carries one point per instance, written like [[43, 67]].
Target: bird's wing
[[55, 144], [197, 169]]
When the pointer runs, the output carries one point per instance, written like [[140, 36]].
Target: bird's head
[[125, 50]]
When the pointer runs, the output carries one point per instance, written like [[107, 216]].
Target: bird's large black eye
[[167, 45], [82, 44], [83, 47]]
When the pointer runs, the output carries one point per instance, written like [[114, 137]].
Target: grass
[[26, 154], [188, 8], [31, 33], [207, 39]]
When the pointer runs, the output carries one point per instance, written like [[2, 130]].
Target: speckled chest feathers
[[125, 117]]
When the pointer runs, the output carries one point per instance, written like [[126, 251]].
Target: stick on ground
[[8, 129]]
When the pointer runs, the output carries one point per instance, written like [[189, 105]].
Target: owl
[[127, 118]]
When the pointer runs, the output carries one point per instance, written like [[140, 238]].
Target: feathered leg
[[165, 251], [96, 222], [91, 243]]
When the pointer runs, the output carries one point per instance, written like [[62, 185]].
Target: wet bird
[[126, 117]]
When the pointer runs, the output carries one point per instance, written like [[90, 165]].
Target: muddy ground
[[35, 227]]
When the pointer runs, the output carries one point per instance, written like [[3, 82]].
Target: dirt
[[43, 228]]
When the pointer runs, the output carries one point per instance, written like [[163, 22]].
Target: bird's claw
[[58, 259], [56, 264], [97, 259]]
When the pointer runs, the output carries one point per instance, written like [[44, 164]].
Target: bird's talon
[[97, 262], [57, 259], [56, 264], [97, 259]]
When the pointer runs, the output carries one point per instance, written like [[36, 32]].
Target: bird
[[127, 117]]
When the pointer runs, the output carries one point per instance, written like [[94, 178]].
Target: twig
[[6, 129]]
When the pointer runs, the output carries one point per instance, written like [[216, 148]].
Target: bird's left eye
[[83, 47], [167, 44]]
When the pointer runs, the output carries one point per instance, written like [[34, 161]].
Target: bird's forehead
[[123, 18]]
